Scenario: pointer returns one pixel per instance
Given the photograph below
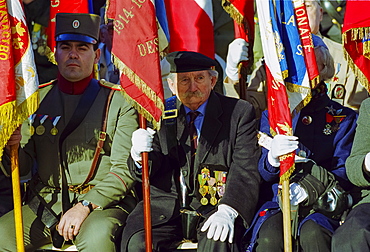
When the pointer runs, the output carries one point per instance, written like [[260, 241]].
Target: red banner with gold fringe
[[356, 39], [135, 52], [19, 85]]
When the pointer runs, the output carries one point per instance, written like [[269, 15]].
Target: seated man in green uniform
[[80, 141]]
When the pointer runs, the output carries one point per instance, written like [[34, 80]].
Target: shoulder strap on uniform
[[79, 114], [99, 145], [110, 85], [170, 114], [169, 119]]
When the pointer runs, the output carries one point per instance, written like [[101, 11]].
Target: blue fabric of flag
[[294, 58], [276, 28], [160, 11]]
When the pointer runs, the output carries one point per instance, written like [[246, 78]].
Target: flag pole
[[287, 226], [18, 221], [240, 32], [146, 193]]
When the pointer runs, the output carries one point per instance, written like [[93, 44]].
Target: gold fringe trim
[[142, 110], [287, 174], [293, 88], [359, 34], [233, 12], [359, 74], [285, 74], [12, 116], [366, 49], [50, 55], [315, 81], [141, 85]]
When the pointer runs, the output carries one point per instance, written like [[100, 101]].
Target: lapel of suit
[[210, 129], [183, 132]]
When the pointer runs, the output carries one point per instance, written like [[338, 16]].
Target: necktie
[[193, 135]]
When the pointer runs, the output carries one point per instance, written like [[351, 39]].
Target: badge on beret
[[76, 24], [339, 91]]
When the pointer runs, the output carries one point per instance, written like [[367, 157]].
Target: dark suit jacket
[[227, 140]]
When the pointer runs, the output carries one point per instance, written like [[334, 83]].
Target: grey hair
[[213, 73], [324, 58]]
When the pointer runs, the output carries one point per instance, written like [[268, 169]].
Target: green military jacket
[[112, 180], [355, 162]]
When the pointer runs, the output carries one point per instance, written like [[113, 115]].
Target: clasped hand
[[142, 141], [238, 51], [281, 145]]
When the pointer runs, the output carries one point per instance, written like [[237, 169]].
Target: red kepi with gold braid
[[356, 39], [136, 54], [18, 91]]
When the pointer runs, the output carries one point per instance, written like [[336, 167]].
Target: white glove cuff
[[229, 210], [367, 162], [273, 161], [232, 72]]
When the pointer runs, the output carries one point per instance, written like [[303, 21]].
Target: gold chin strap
[[96, 72]]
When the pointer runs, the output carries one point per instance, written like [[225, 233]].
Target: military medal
[[204, 201], [55, 121], [306, 120], [212, 191], [203, 189], [31, 118], [327, 130], [333, 115], [221, 183], [41, 129]]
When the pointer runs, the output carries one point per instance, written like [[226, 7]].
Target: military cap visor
[[186, 61], [77, 27]]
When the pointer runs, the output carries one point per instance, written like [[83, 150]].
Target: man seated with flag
[[80, 141], [344, 79], [203, 164], [322, 140]]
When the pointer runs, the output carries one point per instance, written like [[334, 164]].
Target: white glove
[[281, 145], [297, 194], [142, 141], [221, 224], [367, 162], [238, 51]]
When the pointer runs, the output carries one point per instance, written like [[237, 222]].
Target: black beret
[[185, 61], [77, 27]]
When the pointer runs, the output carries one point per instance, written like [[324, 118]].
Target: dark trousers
[[6, 198], [168, 236], [354, 234], [313, 237]]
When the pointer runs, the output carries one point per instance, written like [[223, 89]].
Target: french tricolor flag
[[190, 25]]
